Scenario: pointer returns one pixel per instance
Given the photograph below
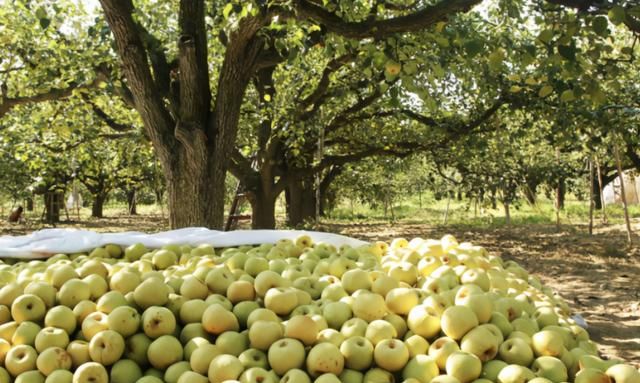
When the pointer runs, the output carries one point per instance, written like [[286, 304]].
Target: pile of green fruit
[[414, 311]]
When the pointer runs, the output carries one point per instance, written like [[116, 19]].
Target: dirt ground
[[598, 275]]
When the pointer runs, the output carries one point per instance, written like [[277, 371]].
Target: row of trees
[[496, 96]]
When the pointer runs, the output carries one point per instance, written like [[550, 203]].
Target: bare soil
[[598, 275]]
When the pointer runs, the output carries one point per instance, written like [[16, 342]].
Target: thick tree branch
[[195, 95], [113, 124], [66, 147], [147, 98], [419, 20], [342, 118], [457, 129], [12, 69], [158, 58], [266, 92], [240, 167], [318, 95], [9, 103]]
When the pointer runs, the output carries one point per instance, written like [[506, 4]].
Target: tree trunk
[[132, 204], [591, 194], [561, 193], [196, 190], [301, 202], [53, 201], [29, 203], [597, 194], [193, 142], [531, 190], [263, 206], [601, 186], [507, 213], [97, 206], [623, 195]]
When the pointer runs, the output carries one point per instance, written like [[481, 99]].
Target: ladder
[[238, 199]]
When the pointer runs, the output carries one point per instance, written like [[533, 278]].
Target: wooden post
[[507, 213], [475, 207], [622, 192], [591, 201], [446, 212], [558, 192], [318, 175], [601, 186]]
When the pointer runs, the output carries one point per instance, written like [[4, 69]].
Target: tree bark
[[263, 207], [53, 201], [301, 202], [561, 191], [600, 189], [97, 206], [591, 195], [30, 203], [531, 190], [132, 203], [192, 141], [623, 194], [507, 213], [597, 193]]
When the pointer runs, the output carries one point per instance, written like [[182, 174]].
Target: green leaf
[[473, 47], [545, 91], [496, 58], [227, 10], [567, 51], [442, 41], [617, 15], [546, 35], [41, 13], [410, 68], [567, 96], [600, 25], [45, 22]]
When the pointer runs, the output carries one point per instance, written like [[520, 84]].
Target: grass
[[410, 210], [464, 213]]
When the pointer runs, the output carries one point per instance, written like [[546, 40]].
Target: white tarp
[[44, 243]]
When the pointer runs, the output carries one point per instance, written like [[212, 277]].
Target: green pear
[[623, 373], [514, 373], [91, 372], [125, 371], [325, 358], [357, 352], [164, 351], [456, 321], [591, 375], [464, 366], [516, 351], [421, 367], [286, 354]]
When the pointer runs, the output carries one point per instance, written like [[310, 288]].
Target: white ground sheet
[[44, 243]]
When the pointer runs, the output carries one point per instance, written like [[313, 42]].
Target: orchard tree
[[362, 104], [47, 53], [190, 96]]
